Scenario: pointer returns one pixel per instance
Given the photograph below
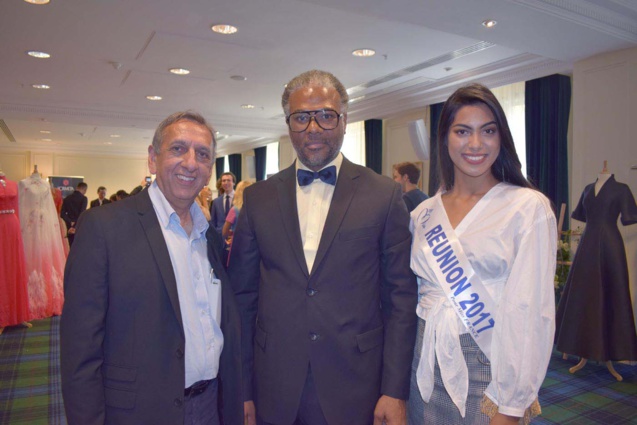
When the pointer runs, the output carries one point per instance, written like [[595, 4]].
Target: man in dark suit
[[72, 206], [321, 273], [221, 204], [101, 198], [150, 332]]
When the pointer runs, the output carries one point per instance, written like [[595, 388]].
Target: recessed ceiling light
[[179, 71], [37, 1], [238, 78], [114, 136], [247, 106], [364, 53], [40, 86], [38, 54], [224, 29], [45, 131], [108, 143], [153, 97], [489, 23], [47, 140]]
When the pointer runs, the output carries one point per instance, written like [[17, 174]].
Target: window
[[271, 158], [511, 98], [354, 143]]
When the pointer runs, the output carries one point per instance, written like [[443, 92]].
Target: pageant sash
[[462, 286]]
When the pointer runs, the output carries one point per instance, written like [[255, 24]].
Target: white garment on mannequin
[[601, 179]]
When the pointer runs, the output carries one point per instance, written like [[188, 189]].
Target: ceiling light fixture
[[364, 53], [224, 29], [38, 54], [37, 1], [238, 78], [153, 97], [40, 86], [114, 136], [247, 106], [45, 131], [179, 71], [489, 23], [47, 140]]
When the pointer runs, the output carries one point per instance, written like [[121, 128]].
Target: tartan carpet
[[30, 390]]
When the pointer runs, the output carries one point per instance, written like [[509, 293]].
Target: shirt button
[[179, 353], [311, 292], [314, 336]]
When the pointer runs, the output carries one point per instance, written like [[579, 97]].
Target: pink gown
[[43, 251], [14, 299]]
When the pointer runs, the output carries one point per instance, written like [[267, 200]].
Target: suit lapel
[[150, 224], [343, 194], [287, 202]]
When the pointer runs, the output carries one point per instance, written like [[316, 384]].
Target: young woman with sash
[[484, 252]]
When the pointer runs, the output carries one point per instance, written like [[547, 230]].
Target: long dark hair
[[507, 167]]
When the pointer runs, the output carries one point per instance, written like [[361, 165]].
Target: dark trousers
[[202, 409], [310, 412]]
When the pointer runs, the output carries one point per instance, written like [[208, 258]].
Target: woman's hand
[[500, 419]]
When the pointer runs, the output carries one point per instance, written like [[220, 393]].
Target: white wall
[[604, 118]]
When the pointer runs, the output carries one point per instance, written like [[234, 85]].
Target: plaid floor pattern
[[30, 384], [30, 390], [591, 396]]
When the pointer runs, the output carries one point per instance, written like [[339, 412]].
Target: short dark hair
[[507, 167], [187, 116], [99, 189], [409, 168], [229, 173], [314, 78], [81, 185], [121, 193]]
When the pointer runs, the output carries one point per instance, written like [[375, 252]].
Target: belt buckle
[[196, 388]]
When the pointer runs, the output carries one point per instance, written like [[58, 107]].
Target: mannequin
[[598, 280], [44, 254], [14, 299]]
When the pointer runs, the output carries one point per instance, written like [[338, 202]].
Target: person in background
[[72, 206], [222, 204], [231, 220], [484, 254], [113, 197], [150, 332], [121, 194], [407, 175], [203, 200], [101, 198], [320, 264]]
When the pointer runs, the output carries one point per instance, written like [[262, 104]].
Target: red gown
[[14, 298]]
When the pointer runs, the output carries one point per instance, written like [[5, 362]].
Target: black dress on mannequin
[[595, 317]]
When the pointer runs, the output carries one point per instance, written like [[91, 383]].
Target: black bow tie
[[327, 175]]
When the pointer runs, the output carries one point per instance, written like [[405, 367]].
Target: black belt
[[197, 388]]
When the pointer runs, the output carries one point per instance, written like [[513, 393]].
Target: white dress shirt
[[313, 203], [510, 240], [198, 289]]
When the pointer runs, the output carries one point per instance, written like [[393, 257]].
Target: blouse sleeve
[[525, 321], [628, 207]]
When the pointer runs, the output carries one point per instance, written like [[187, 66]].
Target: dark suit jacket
[[96, 202], [217, 213], [122, 338], [352, 317], [72, 206]]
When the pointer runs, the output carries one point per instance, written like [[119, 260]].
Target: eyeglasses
[[327, 119]]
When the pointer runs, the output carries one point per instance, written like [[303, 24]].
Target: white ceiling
[[107, 55]]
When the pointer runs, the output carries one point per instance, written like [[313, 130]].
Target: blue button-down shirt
[[199, 291]]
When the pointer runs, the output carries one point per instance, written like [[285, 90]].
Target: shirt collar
[[166, 213]]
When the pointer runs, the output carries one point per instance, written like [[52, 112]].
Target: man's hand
[[390, 411], [249, 413]]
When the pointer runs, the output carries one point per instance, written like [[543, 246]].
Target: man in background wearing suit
[[150, 331], [221, 204], [72, 206], [321, 270], [101, 198]]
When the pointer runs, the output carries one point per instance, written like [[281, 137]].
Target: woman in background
[[233, 214], [203, 200], [484, 252]]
